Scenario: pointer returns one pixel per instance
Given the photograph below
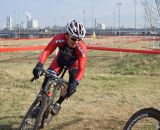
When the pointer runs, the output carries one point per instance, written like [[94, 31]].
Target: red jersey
[[67, 56]]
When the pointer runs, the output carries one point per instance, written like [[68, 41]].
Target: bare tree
[[152, 14], [158, 6]]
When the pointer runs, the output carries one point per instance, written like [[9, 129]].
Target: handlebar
[[46, 73]]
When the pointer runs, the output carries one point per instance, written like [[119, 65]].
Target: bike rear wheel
[[144, 119], [31, 120]]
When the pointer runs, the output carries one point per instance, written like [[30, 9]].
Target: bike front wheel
[[144, 119], [32, 119]]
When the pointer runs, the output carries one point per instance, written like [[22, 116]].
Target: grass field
[[111, 91]]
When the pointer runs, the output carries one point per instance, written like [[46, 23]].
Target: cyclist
[[72, 54]]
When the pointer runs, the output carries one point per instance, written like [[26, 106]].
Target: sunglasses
[[74, 39]]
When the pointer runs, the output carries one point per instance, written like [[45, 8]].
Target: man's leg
[[72, 74], [57, 106], [73, 70]]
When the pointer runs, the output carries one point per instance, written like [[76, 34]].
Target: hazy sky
[[59, 12]]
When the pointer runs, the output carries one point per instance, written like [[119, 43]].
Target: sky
[[59, 12]]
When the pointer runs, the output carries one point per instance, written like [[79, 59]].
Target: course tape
[[23, 39], [31, 48], [28, 48], [124, 50]]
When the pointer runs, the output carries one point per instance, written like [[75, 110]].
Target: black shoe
[[55, 109]]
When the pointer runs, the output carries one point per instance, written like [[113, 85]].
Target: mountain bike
[[144, 119], [39, 114]]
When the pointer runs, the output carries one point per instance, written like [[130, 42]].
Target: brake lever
[[34, 79]]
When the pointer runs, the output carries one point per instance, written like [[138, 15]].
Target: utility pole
[[95, 24], [55, 28], [19, 27], [114, 28], [84, 19], [93, 18], [145, 16], [119, 10], [62, 18], [135, 2]]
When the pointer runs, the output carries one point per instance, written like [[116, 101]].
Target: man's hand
[[72, 88], [37, 71]]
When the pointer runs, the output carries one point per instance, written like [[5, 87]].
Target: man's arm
[[47, 51], [82, 58]]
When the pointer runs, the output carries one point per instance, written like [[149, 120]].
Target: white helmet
[[76, 29]]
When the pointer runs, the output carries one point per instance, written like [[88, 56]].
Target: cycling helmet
[[76, 29]]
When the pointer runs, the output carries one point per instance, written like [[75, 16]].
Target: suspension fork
[[46, 85]]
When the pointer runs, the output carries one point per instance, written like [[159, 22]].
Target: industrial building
[[9, 23], [32, 24]]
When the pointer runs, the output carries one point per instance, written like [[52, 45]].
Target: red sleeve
[[82, 58], [54, 43]]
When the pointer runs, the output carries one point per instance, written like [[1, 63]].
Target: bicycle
[[144, 119], [39, 114]]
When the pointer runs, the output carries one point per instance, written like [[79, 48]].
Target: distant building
[[32, 24], [101, 26], [9, 23]]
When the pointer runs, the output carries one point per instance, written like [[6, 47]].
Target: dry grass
[[104, 101]]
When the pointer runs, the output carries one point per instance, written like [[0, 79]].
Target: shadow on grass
[[67, 124], [114, 124], [10, 117], [9, 125], [106, 124]]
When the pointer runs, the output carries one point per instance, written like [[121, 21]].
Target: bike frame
[[46, 97]]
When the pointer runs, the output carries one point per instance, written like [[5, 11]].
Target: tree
[[152, 11], [152, 15]]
